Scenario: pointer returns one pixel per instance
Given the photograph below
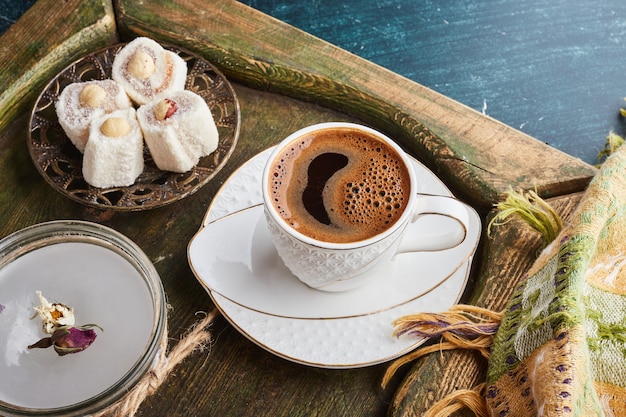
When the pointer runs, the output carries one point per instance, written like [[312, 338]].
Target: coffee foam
[[363, 199]]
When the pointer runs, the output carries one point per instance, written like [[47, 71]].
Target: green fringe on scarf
[[559, 348]]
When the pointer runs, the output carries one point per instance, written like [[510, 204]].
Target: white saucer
[[235, 258], [235, 261]]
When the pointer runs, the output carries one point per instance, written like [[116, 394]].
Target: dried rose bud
[[165, 109], [53, 315], [66, 340]]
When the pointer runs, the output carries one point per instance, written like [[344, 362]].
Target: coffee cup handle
[[441, 206]]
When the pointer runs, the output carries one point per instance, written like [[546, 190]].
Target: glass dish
[[108, 281]]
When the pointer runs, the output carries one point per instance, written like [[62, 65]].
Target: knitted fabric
[[560, 349]]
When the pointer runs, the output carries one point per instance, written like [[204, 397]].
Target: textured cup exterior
[[333, 266], [330, 269]]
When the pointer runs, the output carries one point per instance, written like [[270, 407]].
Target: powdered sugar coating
[[178, 142], [75, 117], [169, 75], [114, 161]]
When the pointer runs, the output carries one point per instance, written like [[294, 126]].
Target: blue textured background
[[554, 69], [551, 68], [11, 10]]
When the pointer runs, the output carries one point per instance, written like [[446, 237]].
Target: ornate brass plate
[[60, 163]]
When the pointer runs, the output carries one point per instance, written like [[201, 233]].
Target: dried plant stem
[[472, 399], [613, 142], [461, 327], [196, 339]]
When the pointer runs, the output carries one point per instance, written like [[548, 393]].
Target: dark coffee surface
[[340, 185]]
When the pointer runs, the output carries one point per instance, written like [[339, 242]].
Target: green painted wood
[[548, 68], [234, 377], [47, 38], [285, 80], [478, 156]]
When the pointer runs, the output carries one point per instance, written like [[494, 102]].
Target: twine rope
[[197, 338]]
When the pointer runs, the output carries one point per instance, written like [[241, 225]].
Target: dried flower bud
[[114, 127], [92, 95], [66, 340], [165, 109], [141, 65], [53, 315]]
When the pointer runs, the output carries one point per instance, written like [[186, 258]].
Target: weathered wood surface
[[505, 257], [516, 61], [479, 157], [49, 36], [285, 80]]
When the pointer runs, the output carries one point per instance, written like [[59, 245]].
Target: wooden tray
[[285, 79]]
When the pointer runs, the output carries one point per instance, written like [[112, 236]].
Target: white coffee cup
[[332, 266]]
